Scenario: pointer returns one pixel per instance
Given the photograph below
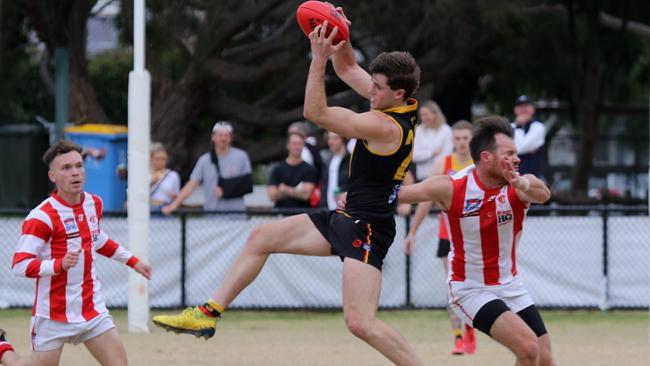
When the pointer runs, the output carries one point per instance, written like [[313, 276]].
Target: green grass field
[[312, 338]]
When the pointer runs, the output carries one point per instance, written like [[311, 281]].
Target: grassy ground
[[307, 338]]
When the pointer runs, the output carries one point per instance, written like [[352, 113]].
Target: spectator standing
[[529, 136], [292, 180], [433, 138], [224, 163], [165, 183], [309, 153], [336, 178], [311, 156]]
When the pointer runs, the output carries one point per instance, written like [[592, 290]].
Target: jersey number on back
[[401, 171]]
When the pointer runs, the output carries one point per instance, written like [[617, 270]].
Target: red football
[[312, 13]]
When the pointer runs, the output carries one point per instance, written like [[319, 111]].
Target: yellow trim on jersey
[[456, 165], [401, 137], [400, 174], [411, 106], [344, 213]]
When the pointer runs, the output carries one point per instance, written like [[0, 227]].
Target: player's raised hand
[[144, 269], [340, 11], [321, 44], [70, 259], [509, 172]]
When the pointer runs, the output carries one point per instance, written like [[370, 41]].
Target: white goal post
[[138, 178]]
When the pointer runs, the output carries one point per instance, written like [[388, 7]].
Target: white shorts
[[49, 334], [467, 299]]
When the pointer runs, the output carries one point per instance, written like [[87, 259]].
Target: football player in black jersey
[[362, 233]]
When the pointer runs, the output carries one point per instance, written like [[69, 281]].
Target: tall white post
[[138, 180]]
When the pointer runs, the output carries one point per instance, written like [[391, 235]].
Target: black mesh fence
[[576, 257]]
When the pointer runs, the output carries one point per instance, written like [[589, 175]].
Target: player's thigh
[[46, 358], [294, 234], [107, 349], [361, 290]]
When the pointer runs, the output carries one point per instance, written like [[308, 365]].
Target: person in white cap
[[222, 162]]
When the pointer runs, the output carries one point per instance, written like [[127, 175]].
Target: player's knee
[[256, 241], [529, 350], [358, 325]]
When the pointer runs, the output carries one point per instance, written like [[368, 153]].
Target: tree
[[63, 24], [22, 94]]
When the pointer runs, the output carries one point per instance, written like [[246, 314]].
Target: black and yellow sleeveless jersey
[[375, 178]]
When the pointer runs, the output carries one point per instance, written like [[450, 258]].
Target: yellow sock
[[216, 306], [457, 332]]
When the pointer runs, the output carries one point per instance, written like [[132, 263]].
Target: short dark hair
[[401, 70], [59, 148], [485, 129]]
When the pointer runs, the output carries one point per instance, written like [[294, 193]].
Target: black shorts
[[444, 246], [489, 313], [363, 240]]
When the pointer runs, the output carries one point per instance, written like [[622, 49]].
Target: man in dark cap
[[529, 136]]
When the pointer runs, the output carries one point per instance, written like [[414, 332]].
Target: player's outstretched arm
[[438, 189], [368, 126], [346, 67], [110, 249]]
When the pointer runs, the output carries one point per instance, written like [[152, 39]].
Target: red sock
[[4, 347]]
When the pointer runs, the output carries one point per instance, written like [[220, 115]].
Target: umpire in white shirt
[[529, 136]]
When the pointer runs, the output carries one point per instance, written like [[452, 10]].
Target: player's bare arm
[[529, 188], [346, 67], [535, 191], [373, 126], [437, 189]]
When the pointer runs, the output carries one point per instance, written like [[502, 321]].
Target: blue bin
[[101, 176]]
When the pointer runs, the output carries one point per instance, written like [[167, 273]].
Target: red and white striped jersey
[[51, 230], [484, 226]]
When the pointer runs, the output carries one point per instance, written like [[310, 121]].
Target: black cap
[[523, 99]]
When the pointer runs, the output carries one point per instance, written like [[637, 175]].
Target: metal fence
[[570, 257]]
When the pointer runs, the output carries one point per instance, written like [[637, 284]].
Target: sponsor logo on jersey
[[393, 196], [504, 217], [472, 207], [95, 235], [70, 225], [92, 219], [71, 229], [357, 243]]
